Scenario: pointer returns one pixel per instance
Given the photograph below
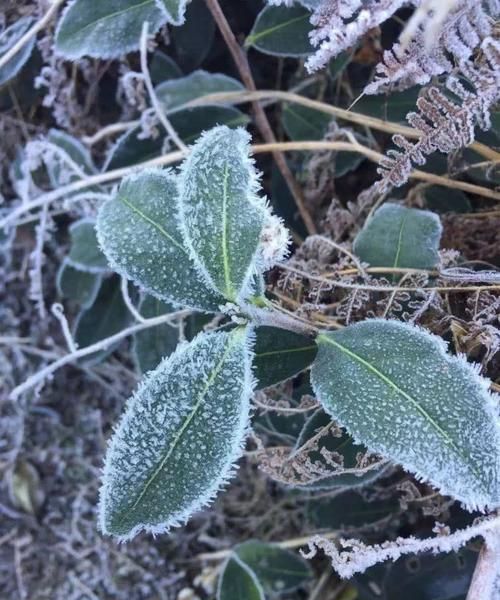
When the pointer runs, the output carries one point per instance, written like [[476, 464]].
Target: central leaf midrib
[[400, 241], [286, 351], [225, 249], [252, 38], [413, 401], [185, 424]]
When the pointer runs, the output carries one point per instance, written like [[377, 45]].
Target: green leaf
[[7, 39], [282, 31], [163, 68], [85, 253], [238, 582], [280, 354], [57, 170], [304, 123], [389, 107], [194, 39], [444, 200], [107, 315], [138, 232], [395, 389], [106, 29], [174, 94], [400, 237], [344, 445], [179, 438], [349, 510], [155, 343], [279, 571], [222, 218], [189, 124], [77, 285], [175, 10]]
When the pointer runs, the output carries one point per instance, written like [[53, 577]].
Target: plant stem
[[487, 570], [261, 120]]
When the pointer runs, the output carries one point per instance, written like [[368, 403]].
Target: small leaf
[[279, 571], [7, 39], [138, 232], [221, 216], [188, 123], [155, 343], [107, 315], [238, 582], [85, 253], [106, 29], [400, 237], [281, 354], [163, 68], [282, 31], [395, 389], [179, 438], [343, 445], [175, 93], [77, 285], [304, 123]]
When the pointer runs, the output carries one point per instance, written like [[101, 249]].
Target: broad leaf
[[389, 107], [138, 232], [107, 315], [107, 29], [175, 93], [280, 354], [7, 39], [155, 343], [316, 438], [222, 218], [193, 40], [278, 570], [395, 389], [282, 31], [163, 68], [77, 285], [238, 581], [179, 438], [189, 123], [304, 123], [444, 200], [60, 173], [400, 237], [85, 253]]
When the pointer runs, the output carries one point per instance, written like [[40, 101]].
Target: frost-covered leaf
[[138, 232], [107, 29], [189, 124], [60, 173], [280, 354], [107, 315], [304, 123], [318, 429], [7, 39], [163, 68], [175, 10], [402, 237], [152, 345], [77, 285], [85, 253], [222, 217], [349, 510], [180, 436], [237, 580], [282, 31], [396, 389], [193, 39], [279, 571], [175, 93]]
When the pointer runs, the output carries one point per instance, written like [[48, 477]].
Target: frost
[[180, 436], [138, 233], [85, 253], [7, 39], [222, 217], [395, 389]]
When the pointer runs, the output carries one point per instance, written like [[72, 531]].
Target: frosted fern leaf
[[229, 230], [395, 389], [400, 237], [112, 28], [180, 436], [138, 232]]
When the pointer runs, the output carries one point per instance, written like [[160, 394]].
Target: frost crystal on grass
[[180, 436], [395, 389]]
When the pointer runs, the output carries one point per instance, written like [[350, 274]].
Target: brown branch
[[261, 120]]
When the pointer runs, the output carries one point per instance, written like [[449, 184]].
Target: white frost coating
[[223, 218], [181, 434], [438, 421], [85, 253]]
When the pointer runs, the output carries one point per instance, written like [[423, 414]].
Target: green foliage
[[163, 68], [79, 286], [7, 39], [395, 388], [280, 354], [238, 581], [58, 169], [85, 253], [194, 38], [304, 123], [282, 31], [179, 437], [400, 237]]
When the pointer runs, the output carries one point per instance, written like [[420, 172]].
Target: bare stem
[[487, 570]]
